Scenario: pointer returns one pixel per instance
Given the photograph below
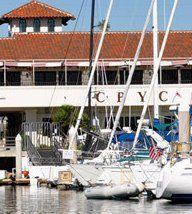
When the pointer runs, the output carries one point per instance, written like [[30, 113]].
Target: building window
[[61, 78], [137, 78], [51, 25], [111, 77], [169, 76], [1, 78], [74, 78], [186, 76], [123, 122], [45, 78], [108, 77], [22, 25], [13, 78], [36, 25]]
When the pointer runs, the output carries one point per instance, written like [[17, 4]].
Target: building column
[[33, 74], [85, 76], [57, 77], [5, 76], [179, 76], [26, 78], [18, 143], [147, 76], [31, 115], [65, 72]]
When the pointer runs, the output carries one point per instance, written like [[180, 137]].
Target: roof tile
[[37, 9], [68, 45]]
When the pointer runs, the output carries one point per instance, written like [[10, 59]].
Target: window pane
[[169, 76], [137, 78], [36, 25], [121, 122], [123, 76], [186, 76], [1, 78], [111, 77], [45, 78], [22, 25], [51, 25], [13, 78], [74, 78], [61, 78]]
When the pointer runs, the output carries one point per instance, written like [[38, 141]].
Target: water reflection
[[42, 200]]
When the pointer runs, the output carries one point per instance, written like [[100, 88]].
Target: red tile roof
[[117, 45], [36, 9]]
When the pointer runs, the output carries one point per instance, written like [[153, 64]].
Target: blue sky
[[126, 14]]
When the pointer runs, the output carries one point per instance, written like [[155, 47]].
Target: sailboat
[[147, 172], [140, 171], [88, 174], [175, 181], [151, 186]]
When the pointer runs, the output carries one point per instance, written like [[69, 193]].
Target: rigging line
[[127, 86], [111, 107], [164, 14], [131, 23], [103, 83], [150, 89], [83, 23], [67, 50], [150, 117]]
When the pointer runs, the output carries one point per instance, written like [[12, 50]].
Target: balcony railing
[[184, 81]]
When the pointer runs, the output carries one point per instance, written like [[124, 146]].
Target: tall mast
[[150, 90], [91, 58], [91, 48], [93, 70], [128, 83], [155, 57]]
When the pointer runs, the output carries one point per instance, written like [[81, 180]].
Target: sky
[[127, 15]]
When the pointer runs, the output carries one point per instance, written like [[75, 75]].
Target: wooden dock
[[19, 182]]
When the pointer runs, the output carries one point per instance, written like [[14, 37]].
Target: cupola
[[36, 16]]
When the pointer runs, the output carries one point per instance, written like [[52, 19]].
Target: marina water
[[34, 200]]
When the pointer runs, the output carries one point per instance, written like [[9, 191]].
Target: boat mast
[[155, 57], [149, 92], [91, 59], [91, 49], [128, 83], [93, 70]]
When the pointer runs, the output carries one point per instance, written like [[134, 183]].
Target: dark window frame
[[1, 78], [37, 25], [186, 76], [51, 25], [74, 77], [137, 78], [169, 76], [45, 78], [22, 26], [13, 78]]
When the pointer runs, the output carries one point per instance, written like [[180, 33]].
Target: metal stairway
[[46, 151]]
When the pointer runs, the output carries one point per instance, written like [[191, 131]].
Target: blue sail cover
[[126, 140]]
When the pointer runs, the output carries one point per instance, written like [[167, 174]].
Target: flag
[[154, 153], [177, 94]]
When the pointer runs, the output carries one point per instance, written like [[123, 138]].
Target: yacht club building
[[43, 67]]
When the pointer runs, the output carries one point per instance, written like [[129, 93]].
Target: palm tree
[[101, 25]]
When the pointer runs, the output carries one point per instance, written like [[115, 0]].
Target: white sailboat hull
[[147, 173], [176, 181]]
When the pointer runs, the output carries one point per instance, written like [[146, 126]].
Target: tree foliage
[[101, 25], [67, 115]]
